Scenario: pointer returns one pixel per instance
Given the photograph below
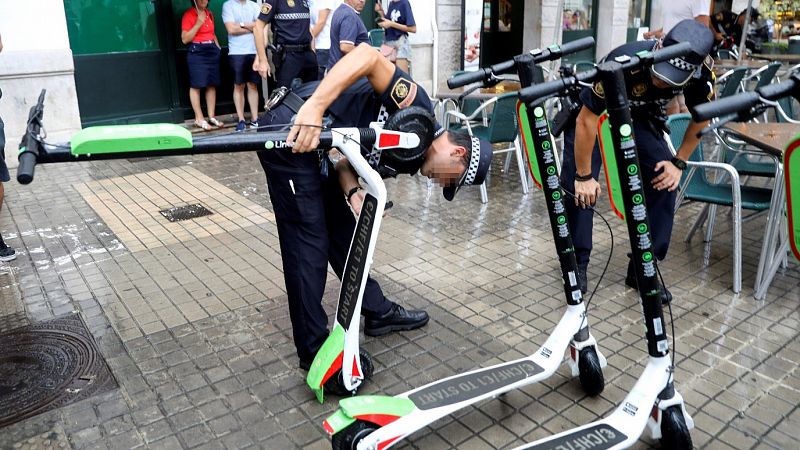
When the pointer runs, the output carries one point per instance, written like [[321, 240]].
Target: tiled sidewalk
[[193, 321]]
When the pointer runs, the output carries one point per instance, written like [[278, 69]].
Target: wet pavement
[[192, 317]]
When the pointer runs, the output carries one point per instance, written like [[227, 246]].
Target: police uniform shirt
[[646, 101], [290, 20], [360, 105], [347, 27]]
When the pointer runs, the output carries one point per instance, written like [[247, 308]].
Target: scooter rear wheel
[[335, 384], [349, 438], [590, 372], [674, 432]]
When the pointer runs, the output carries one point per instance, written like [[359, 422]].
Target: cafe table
[[771, 138]]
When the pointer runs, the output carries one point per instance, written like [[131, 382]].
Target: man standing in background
[[6, 253], [240, 17], [347, 30], [321, 16]]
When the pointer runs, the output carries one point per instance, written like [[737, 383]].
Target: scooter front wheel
[[590, 372], [349, 438], [674, 432], [335, 384]]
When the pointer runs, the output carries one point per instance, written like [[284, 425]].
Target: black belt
[[294, 48]]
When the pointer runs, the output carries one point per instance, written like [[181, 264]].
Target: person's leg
[[211, 100], [194, 98], [310, 71], [238, 100], [322, 61], [252, 100], [297, 203]]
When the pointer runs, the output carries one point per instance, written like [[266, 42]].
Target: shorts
[[242, 66], [403, 47], [4, 176], [203, 62]]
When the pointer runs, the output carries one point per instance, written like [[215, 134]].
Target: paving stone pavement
[[193, 321]]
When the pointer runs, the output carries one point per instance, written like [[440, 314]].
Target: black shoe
[[630, 281], [397, 319], [7, 253], [582, 281]]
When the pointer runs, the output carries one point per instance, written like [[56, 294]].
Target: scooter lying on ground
[[653, 402], [378, 422], [741, 108], [340, 366]]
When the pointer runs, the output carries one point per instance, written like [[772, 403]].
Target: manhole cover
[[47, 365], [187, 212]]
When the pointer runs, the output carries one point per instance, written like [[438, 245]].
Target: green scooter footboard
[[610, 164], [791, 166], [527, 139], [130, 138]]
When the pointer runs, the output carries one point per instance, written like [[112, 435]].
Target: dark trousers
[[660, 204], [293, 65], [323, 54], [315, 227]]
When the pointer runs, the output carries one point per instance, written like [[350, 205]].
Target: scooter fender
[[378, 409], [327, 361]]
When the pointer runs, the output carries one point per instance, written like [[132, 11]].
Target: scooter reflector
[[610, 164], [791, 164], [528, 144]]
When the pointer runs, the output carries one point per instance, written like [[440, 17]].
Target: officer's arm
[[690, 139], [261, 39], [585, 136], [363, 61]]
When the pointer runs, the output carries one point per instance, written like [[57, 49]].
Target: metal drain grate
[[47, 365], [187, 212]]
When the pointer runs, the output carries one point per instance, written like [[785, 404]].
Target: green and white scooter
[[340, 366]]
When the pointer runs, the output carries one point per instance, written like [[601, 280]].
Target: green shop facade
[[130, 64]]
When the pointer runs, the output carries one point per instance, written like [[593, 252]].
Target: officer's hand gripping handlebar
[[536, 92], [551, 53]]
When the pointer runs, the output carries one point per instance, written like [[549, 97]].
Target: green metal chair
[[731, 82], [697, 185], [725, 54], [501, 128], [375, 37]]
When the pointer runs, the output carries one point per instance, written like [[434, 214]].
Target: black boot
[[6, 253], [583, 283], [397, 319], [630, 281]]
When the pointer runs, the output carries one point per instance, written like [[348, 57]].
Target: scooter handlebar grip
[[464, 79], [777, 91], [725, 106], [672, 51], [577, 45], [538, 91], [27, 164]]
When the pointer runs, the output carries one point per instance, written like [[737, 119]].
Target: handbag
[[389, 52]]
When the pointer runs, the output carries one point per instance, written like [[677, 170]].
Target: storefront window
[[577, 15], [637, 14], [111, 26]]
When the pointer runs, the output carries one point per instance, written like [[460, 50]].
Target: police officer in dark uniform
[[312, 194], [290, 21], [649, 91]]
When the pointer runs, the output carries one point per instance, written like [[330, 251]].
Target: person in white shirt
[[239, 17], [321, 15], [674, 11]]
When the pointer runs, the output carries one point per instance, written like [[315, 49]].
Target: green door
[[130, 65]]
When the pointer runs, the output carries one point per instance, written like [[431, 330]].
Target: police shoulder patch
[[639, 89], [597, 88], [266, 8], [403, 92]]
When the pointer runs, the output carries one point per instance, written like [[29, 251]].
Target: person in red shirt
[[202, 56]]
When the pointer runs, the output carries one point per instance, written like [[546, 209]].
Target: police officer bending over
[[315, 223], [295, 58], [648, 93]]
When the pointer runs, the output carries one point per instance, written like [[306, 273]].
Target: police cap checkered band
[[682, 64], [474, 162]]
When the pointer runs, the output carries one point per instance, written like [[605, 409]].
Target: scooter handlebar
[[30, 145], [725, 106], [575, 46], [543, 90], [466, 78]]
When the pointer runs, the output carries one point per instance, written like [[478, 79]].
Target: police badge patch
[[290, 3], [266, 8], [403, 92], [639, 89], [597, 88]]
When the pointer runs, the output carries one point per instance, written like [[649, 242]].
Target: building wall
[[33, 58]]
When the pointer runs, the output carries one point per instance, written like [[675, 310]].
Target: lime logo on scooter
[[269, 145]]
